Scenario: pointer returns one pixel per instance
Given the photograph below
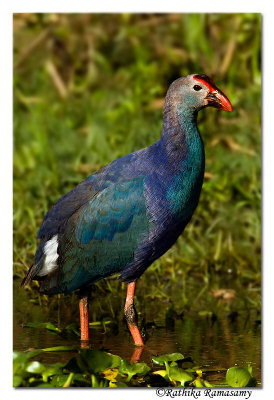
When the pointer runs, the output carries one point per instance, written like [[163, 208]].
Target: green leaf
[[249, 369], [95, 361], [130, 369], [160, 360], [59, 380], [20, 361], [207, 384], [47, 325], [117, 384], [73, 328], [46, 385], [178, 374], [35, 367], [60, 348], [20, 357], [52, 369], [69, 380], [161, 372], [198, 382], [17, 380], [238, 377], [94, 381]]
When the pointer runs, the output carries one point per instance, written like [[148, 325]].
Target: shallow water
[[212, 343]]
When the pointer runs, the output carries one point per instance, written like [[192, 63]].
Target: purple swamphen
[[130, 212]]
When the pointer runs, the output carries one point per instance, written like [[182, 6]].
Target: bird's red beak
[[215, 97]]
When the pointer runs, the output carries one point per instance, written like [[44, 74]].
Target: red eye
[[197, 88]]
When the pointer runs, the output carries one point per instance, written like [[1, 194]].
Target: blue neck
[[182, 144], [180, 136]]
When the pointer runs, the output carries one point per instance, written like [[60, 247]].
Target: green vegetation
[[89, 88], [95, 368]]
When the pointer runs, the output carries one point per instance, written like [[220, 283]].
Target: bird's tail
[[29, 275]]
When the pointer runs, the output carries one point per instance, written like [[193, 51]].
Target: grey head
[[194, 92]]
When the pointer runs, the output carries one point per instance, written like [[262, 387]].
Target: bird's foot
[[85, 344]]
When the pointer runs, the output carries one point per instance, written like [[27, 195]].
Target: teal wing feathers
[[101, 237]]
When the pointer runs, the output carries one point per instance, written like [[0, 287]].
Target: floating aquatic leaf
[[19, 356], [238, 377], [180, 375], [160, 360], [93, 361], [60, 348], [17, 380], [130, 369], [35, 367], [173, 364], [161, 372], [52, 369], [20, 360], [47, 325]]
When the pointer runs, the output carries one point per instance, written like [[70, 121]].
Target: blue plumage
[[129, 213]]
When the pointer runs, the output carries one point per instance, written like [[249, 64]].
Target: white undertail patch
[[50, 251]]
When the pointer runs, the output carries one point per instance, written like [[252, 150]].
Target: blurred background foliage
[[89, 88]]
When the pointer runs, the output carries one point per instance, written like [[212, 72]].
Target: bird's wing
[[101, 237], [66, 206], [56, 218]]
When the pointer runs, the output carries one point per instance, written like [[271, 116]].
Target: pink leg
[[130, 315], [84, 320]]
